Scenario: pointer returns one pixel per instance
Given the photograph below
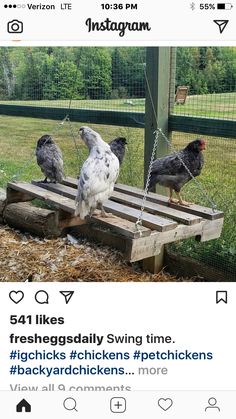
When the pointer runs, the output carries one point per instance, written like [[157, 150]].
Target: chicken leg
[[103, 213], [171, 199], [182, 202], [179, 201]]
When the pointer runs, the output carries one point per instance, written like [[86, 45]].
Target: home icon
[[23, 405]]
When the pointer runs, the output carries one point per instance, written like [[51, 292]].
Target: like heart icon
[[16, 296], [165, 404]]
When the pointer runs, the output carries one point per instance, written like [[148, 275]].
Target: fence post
[[156, 115], [173, 59], [157, 102]]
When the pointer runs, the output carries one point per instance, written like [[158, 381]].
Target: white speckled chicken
[[98, 174]]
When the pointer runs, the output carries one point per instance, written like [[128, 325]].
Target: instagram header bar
[[121, 23]]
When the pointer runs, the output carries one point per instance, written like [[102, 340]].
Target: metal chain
[[203, 191], [74, 136], [140, 218]]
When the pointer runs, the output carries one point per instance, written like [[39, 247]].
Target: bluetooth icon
[[192, 6]]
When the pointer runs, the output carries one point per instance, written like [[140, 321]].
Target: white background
[[187, 312]]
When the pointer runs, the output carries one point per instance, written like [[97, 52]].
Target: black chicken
[[49, 159], [169, 171], [118, 148]]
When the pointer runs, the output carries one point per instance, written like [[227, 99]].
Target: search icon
[[70, 404], [41, 297]]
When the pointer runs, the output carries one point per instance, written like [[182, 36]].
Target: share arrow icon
[[67, 295], [222, 24]]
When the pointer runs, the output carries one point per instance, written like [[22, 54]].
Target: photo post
[[118, 209]]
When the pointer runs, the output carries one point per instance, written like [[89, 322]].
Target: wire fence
[[112, 79], [209, 76], [87, 78]]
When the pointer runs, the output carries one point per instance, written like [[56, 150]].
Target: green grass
[[18, 137], [136, 105], [217, 105]]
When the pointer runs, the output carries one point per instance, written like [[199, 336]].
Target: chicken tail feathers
[[81, 209]]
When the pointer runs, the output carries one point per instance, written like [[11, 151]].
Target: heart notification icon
[[165, 404], [16, 296]]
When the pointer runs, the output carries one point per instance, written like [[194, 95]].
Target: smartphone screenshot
[[117, 209]]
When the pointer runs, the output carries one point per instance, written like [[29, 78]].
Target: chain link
[[138, 223], [74, 136]]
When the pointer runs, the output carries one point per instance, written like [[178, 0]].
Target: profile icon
[[212, 402]]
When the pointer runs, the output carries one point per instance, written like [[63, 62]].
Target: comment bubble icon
[[41, 297]]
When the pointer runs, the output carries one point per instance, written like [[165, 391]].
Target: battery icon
[[224, 6]]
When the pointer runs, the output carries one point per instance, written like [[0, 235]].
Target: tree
[[128, 72], [7, 81], [63, 80], [95, 66]]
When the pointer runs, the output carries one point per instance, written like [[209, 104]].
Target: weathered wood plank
[[195, 209], [123, 211], [66, 204], [66, 220], [70, 181], [120, 225], [143, 248], [151, 221], [14, 196], [56, 200], [96, 233], [154, 264], [136, 247], [61, 189], [155, 208]]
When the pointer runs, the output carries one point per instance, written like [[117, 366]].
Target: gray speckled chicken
[[98, 174], [49, 159], [169, 171], [118, 148]]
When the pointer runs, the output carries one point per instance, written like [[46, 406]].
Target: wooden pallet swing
[[141, 225], [161, 223]]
